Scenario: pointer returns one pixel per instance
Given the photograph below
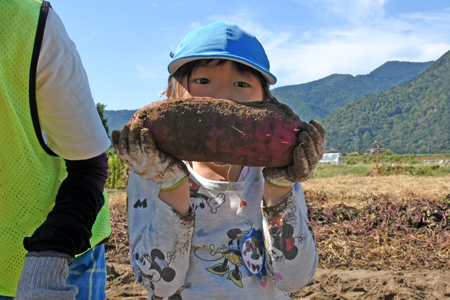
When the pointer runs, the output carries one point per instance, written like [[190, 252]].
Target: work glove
[[311, 142], [44, 276], [136, 147]]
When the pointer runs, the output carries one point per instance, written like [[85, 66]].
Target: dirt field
[[382, 237]]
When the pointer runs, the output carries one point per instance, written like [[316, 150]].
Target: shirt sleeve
[[68, 115], [68, 227], [160, 239], [291, 250]]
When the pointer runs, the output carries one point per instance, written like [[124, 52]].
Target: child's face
[[222, 81]]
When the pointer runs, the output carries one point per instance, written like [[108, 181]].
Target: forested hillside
[[412, 118], [317, 99], [118, 118]]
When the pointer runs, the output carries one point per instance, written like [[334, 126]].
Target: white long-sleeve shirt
[[200, 257], [69, 120]]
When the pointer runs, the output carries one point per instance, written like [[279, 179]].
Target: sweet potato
[[224, 131]]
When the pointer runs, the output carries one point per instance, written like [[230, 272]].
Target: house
[[331, 150], [332, 159], [375, 150]]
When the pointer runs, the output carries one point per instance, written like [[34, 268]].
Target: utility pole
[[356, 145], [428, 148]]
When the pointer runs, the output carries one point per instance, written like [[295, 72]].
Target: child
[[207, 230]]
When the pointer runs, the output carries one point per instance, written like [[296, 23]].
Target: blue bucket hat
[[222, 40]]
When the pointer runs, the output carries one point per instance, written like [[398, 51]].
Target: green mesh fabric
[[29, 177]]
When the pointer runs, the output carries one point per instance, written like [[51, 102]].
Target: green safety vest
[[30, 173]]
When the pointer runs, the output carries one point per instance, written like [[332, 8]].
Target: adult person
[[53, 165]]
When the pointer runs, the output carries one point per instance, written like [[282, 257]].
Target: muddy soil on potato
[[225, 131]]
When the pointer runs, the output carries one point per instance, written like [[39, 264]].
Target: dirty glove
[[310, 147], [136, 147], [44, 276]]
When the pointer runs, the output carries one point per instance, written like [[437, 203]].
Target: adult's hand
[[44, 276]]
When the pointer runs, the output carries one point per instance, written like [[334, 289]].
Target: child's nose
[[223, 93]]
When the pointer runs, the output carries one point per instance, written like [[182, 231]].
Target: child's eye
[[241, 84], [202, 80]]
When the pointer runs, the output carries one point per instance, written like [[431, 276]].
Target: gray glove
[[44, 276], [136, 147], [310, 148]]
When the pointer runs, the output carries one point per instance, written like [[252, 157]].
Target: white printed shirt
[[200, 257]]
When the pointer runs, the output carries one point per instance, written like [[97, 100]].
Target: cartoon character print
[[231, 255], [198, 200], [152, 268], [253, 253], [271, 273], [281, 232], [312, 234], [176, 296]]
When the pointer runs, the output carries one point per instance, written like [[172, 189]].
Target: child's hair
[[186, 70], [222, 41]]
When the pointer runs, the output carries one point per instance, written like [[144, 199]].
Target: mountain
[[317, 99], [118, 118], [411, 118]]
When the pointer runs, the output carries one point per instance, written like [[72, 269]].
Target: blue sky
[[125, 45]]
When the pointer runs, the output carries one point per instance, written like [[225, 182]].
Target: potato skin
[[224, 131]]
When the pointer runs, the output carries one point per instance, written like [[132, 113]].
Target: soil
[[327, 284], [363, 284]]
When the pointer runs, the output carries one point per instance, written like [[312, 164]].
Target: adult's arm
[[79, 199], [72, 129]]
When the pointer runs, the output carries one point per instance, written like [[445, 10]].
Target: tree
[[101, 113]]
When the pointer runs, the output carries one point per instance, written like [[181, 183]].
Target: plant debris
[[384, 233], [116, 248]]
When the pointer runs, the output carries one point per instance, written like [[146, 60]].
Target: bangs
[[186, 70], [241, 68]]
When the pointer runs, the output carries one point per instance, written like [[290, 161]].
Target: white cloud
[[355, 52], [367, 39], [354, 11], [357, 11]]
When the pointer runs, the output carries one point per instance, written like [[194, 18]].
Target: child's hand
[[307, 153], [136, 147]]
